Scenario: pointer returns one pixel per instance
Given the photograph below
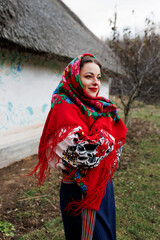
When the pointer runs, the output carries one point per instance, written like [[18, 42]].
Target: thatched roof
[[49, 26]]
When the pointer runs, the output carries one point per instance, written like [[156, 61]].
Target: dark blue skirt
[[105, 224]]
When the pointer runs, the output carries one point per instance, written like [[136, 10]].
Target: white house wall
[[26, 85]]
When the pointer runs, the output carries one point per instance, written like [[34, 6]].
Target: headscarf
[[72, 107]]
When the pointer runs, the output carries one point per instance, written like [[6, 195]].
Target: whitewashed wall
[[104, 91], [26, 85]]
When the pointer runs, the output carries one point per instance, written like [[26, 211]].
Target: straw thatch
[[49, 26]]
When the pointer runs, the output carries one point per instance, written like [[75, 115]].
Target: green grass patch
[[52, 229], [137, 194], [149, 112], [7, 229]]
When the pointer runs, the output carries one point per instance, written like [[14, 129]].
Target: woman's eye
[[88, 76], [99, 78]]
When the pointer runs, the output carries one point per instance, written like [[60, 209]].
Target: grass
[[149, 112], [52, 229], [7, 229], [137, 196], [136, 186]]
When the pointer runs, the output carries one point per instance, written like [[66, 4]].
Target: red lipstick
[[93, 89]]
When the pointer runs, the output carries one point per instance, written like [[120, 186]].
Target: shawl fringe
[[46, 153]]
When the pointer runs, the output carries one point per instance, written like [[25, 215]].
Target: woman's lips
[[93, 89]]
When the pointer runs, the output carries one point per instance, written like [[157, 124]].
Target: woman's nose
[[95, 80]]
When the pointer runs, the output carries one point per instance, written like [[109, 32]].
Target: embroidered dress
[[90, 224], [84, 136]]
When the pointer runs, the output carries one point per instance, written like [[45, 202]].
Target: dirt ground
[[21, 205], [21, 202]]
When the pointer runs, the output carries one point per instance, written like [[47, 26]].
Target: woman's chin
[[92, 94]]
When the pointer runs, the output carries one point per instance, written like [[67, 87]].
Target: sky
[[95, 14]]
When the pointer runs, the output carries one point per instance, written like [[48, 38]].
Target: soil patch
[[21, 202]]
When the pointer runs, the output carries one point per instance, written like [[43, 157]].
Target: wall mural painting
[[19, 116], [17, 107], [10, 65]]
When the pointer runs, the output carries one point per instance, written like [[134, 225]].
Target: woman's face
[[90, 76]]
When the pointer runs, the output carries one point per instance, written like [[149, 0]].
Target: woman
[[84, 136]]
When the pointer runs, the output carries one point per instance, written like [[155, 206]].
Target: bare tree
[[140, 56]]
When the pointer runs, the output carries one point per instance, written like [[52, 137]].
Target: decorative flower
[[76, 67], [77, 175], [84, 187], [78, 180], [64, 79], [68, 69], [101, 151], [98, 104]]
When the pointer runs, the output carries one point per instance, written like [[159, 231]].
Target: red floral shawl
[[71, 107]]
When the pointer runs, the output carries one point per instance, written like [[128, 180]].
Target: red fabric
[[70, 109], [96, 178]]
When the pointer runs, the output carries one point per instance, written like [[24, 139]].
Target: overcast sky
[[96, 13]]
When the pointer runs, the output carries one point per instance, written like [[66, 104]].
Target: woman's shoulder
[[61, 99], [64, 105]]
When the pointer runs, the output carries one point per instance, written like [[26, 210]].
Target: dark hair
[[87, 59]]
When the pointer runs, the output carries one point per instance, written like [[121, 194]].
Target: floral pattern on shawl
[[71, 107], [71, 86]]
